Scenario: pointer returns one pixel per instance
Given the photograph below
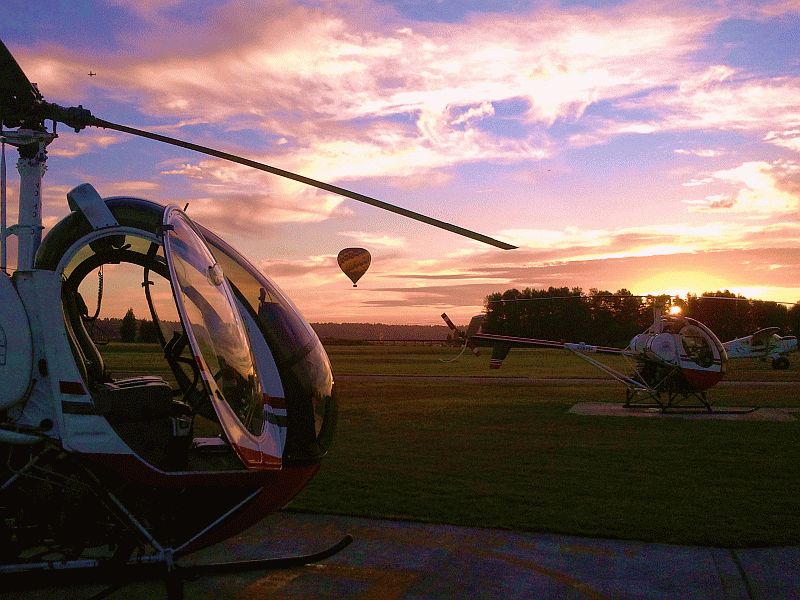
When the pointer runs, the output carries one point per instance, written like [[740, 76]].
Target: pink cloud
[[759, 189]]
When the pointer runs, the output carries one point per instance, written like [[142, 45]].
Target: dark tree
[[794, 319], [127, 329], [613, 319], [725, 313], [764, 313], [148, 332]]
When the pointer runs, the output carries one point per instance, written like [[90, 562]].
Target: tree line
[[133, 330], [129, 329], [611, 319]]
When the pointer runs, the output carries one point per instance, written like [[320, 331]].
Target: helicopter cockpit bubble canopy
[[299, 402], [217, 336]]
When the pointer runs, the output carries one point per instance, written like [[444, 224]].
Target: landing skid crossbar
[[666, 399]]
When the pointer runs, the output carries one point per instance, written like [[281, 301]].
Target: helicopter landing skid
[[144, 568], [673, 404]]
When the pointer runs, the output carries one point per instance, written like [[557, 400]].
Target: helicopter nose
[[312, 406]]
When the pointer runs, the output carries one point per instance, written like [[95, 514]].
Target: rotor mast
[[31, 165]]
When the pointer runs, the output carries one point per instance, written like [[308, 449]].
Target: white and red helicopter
[[104, 478], [676, 359]]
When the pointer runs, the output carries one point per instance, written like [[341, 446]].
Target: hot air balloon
[[354, 262]]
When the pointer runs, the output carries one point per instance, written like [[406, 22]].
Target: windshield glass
[[697, 346], [214, 326]]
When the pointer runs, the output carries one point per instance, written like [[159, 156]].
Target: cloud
[[701, 152], [767, 10], [221, 194], [565, 250], [372, 239], [678, 273], [698, 182], [574, 243], [91, 140], [249, 214], [131, 187], [344, 95], [719, 98], [758, 189], [407, 99], [787, 139], [149, 10]]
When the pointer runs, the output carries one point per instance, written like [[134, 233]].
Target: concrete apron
[[723, 413], [397, 559]]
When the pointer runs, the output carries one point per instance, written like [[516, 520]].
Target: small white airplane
[[764, 343]]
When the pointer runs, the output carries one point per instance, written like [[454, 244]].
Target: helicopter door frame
[[81, 429], [253, 450]]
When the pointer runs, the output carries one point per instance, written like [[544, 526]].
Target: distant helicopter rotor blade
[[306, 180]]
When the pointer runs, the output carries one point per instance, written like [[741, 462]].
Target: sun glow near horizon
[[684, 283]]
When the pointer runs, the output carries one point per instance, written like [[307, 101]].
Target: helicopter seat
[[86, 351], [146, 416], [142, 401], [87, 356], [142, 410]]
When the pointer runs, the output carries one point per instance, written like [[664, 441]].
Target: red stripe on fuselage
[[699, 380], [74, 388], [275, 402]]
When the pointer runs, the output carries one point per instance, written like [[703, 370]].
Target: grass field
[[521, 362], [429, 360], [504, 454]]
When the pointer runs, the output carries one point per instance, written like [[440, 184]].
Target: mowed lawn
[[507, 454]]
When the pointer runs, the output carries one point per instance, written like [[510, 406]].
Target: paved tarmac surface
[[415, 561], [695, 413]]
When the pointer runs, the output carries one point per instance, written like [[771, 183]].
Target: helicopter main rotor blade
[[306, 180], [22, 104]]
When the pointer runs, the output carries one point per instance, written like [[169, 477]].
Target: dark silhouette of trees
[[554, 313], [793, 319], [612, 319], [127, 329], [148, 332], [731, 316]]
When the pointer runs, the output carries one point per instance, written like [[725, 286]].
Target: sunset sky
[[647, 145]]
